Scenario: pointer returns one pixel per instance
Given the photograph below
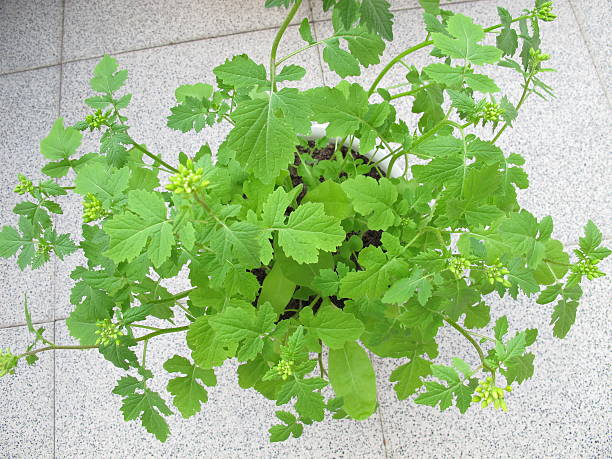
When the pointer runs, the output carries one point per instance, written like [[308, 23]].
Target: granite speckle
[[26, 417], [29, 101], [233, 423], [95, 28], [30, 34], [560, 413]]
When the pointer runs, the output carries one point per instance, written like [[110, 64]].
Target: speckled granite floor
[[63, 407]]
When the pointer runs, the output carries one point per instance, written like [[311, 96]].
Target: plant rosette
[[302, 255]]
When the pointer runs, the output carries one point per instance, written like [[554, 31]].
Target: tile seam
[[191, 40], [600, 78], [55, 264]]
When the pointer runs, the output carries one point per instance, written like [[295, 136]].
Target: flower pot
[[319, 131]]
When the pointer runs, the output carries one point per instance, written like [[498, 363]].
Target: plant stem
[[144, 354], [421, 45], [144, 326], [161, 331], [152, 156], [277, 39], [394, 61], [321, 367], [409, 93], [518, 106], [178, 296], [472, 341]]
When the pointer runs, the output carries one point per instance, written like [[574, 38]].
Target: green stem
[[421, 45], [144, 354], [394, 61], [144, 326], [161, 331], [178, 296], [277, 39], [321, 367], [522, 100], [152, 156], [410, 93], [472, 341]]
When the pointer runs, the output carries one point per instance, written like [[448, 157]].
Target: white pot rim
[[320, 130]]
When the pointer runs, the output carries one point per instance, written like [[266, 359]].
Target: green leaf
[[477, 316], [445, 74], [589, 244], [309, 230], [306, 32], [501, 327], [120, 355], [465, 45], [148, 407], [373, 281], [129, 232], [430, 6], [104, 182], [332, 326], [514, 348], [188, 391], [352, 378], [507, 41], [333, 198], [207, 350], [265, 136], [106, 78], [191, 114], [339, 60], [282, 432], [443, 395], [519, 368], [82, 320], [404, 289], [61, 143], [326, 282], [481, 83], [245, 325], [291, 73], [563, 317], [366, 47], [310, 403], [198, 91], [241, 72], [375, 14], [276, 289], [373, 199], [408, 376]]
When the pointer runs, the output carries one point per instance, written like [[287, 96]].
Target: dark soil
[[370, 237]]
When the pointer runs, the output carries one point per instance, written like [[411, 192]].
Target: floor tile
[[564, 139], [594, 17], [30, 34], [233, 423], [110, 26], [559, 413], [30, 101], [26, 418]]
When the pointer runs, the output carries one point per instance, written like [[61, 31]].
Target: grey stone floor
[[63, 407]]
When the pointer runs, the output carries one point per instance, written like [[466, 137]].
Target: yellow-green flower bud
[[285, 368], [458, 266], [97, 120], [588, 267], [8, 362], [544, 12], [92, 209], [108, 332], [493, 112], [43, 248], [25, 185], [187, 180], [489, 394]]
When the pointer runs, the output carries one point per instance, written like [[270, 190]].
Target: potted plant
[[324, 226]]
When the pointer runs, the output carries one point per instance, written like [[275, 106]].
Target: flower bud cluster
[[25, 185], [8, 362], [188, 179], [92, 209], [544, 12], [97, 120], [496, 273], [538, 56], [285, 368], [588, 267], [43, 248], [108, 332], [458, 266], [493, 112], [489, 394]]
